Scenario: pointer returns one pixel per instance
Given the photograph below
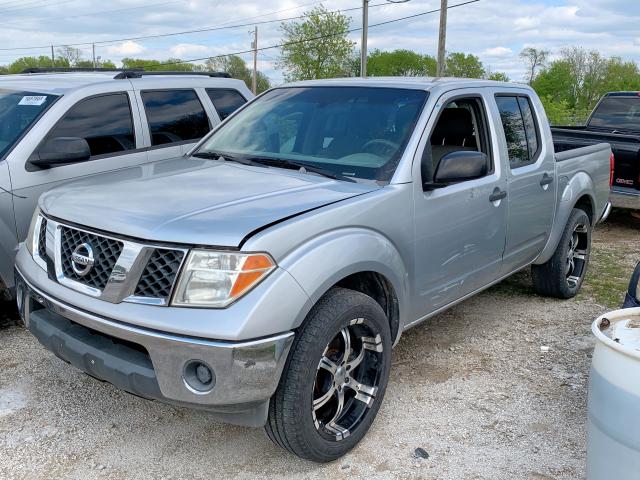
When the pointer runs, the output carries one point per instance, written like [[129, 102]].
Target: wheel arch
[[577, 193], [359, 259]]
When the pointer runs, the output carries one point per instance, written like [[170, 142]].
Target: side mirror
[[460, 166], [61, 150], [632, 298]]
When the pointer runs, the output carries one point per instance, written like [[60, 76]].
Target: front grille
[[105, 250], [42, 239], [159, 275]]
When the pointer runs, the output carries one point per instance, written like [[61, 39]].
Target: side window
[[105, 122], [519, 127], [529, 126], [174, 116], [461, 126], [226, 101]]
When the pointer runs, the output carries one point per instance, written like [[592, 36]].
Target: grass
[[608, 276]]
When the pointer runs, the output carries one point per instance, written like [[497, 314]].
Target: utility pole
[[363, 43], [94, 55], [53, 57], [442, 40], [254, 46]]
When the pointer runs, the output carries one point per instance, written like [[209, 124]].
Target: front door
[[460, 229], [107, 123], [531, 182]]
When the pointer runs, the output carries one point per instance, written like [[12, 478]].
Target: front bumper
[[153, 364], [628, 198]]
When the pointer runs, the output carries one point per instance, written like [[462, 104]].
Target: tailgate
[[626, 172]]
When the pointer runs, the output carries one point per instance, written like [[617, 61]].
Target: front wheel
[[563, 274], [335, 378]]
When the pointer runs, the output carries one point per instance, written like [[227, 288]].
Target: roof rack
[[76, 69], [142, 73], [123, 72]]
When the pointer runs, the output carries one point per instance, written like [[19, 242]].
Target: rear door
[[530, 177]]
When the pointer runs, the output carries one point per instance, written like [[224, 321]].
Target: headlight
[[216, 279], [31, 240]]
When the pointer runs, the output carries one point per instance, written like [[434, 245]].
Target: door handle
[[546, 180], [497, 195]]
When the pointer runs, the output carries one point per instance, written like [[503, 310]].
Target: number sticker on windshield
[[33, 100]]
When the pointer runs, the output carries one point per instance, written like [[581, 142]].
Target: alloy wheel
[[577, 255], [347, 380]]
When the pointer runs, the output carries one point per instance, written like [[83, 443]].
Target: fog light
[[199, 377]]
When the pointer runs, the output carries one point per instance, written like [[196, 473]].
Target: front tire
[[335, 378], [563, 274]]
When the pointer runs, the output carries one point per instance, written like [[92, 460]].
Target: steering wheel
[[380, 146]]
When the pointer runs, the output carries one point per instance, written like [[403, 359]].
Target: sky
[[494, 30]]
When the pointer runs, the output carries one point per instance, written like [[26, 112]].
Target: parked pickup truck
[[57, 126], [615, 120], [266, 277]]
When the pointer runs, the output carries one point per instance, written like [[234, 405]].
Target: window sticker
[[33, 100]]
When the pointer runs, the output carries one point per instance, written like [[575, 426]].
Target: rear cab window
[[174, 116], [104, 121], [520, 129], [225, 100], [617, 112]]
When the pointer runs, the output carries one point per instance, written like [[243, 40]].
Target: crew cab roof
[[60, 83], [420, 83]]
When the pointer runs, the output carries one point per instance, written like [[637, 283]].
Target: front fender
[[571, 191], [320, 263]]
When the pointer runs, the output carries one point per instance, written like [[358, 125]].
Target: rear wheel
[[563, 274], [335, 379]]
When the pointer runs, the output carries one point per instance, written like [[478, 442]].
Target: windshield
[[18, 111], [617, 113], [353, 132]]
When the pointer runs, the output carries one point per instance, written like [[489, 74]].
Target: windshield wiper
[[228, 158], [302, 166]]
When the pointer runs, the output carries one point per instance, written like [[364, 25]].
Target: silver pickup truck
[[266, 276]]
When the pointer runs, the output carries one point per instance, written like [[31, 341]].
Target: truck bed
[[626, 149]]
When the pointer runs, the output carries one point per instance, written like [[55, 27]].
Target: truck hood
[[193, 201]]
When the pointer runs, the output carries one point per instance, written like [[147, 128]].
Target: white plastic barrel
[[613, 451]]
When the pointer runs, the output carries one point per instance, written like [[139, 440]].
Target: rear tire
[[335, 378], [562, 275]]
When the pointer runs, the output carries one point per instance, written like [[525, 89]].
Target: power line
[[321, 37], [199, 30], [32, 4], [103, 12]]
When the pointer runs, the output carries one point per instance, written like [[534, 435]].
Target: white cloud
[[182, 50], [126, 48], [495, 30], [497, 52]]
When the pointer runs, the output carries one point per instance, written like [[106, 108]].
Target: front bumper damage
[[156, 365]]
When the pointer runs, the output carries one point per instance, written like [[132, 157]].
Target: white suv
[[57, 126]]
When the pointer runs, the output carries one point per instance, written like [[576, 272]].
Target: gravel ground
[[472, 387]]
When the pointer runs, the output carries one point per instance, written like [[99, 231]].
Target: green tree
[[317, 46], [573, 84], [558, 111], [171, 64], [237, 68], [404, 63], [535, 59], [42, 61], [498, 76], [464, 66], [70, 54]]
